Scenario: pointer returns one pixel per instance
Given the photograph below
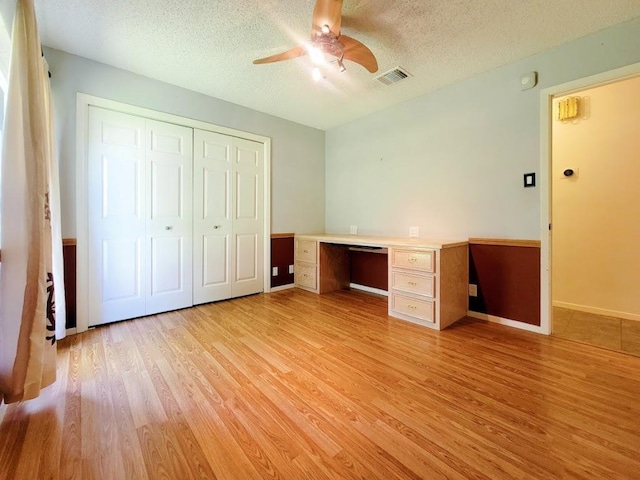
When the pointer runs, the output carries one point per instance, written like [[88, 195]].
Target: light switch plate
[[473, 290], [290, 268], [354, 230], [274, 272], [529, 180], [414, 232]]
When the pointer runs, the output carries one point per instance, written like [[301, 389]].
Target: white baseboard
[[72, 331], [597, 311], [364, 288], [282, 287], [505, 321]]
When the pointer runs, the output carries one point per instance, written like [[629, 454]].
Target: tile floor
[[607, 332]]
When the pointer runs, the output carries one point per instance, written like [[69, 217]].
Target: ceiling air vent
[[393, 76]]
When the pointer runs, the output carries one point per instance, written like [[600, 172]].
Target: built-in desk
[[428, 279]]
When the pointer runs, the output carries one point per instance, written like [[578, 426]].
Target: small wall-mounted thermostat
[[569, 173]]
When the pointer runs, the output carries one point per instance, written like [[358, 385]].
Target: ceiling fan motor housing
[[328, 43]]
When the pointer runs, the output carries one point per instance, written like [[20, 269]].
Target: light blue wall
[[452, 162], [297, 158]]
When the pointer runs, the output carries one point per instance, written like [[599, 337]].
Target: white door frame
[[546, 121], [82, 225]]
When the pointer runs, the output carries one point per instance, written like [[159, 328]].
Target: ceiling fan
[[327, 41]]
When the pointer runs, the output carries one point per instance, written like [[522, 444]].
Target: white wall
[[297, 186], [452, 162], [596, 212], [7, 7]]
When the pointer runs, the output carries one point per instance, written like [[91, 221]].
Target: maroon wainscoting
[[282, 253], [69, 256], [508, 277], [369, 269], [69, 260], [507, 274]]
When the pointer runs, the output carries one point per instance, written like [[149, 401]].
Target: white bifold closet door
[[139, 184], [228, 211]]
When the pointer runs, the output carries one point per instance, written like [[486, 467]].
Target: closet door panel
[[246, 258], [247, 219], [213, 248], [121, 279], [216, 195], [169, 219], [246, 188], [115, 207], [167, 195], [215, 260], [167, 265]]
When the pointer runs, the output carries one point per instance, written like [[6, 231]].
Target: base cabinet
[[305, 269], [428, 286]]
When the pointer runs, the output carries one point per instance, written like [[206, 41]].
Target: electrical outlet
[[414, 232], [473, 290], [290, 268], [274, 272], [354, 230]]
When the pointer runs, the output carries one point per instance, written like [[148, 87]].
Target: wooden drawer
[[415, 259], [413, 307], [305, 275], [306, 251], [407, 282]]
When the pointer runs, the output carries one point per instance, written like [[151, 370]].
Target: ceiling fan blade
[[357, 52], [288, 55], [327, 12]]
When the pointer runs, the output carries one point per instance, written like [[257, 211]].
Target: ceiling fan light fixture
[[316, 74], [316, 54], [327, 44]]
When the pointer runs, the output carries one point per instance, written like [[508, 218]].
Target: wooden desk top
[[374, 241]]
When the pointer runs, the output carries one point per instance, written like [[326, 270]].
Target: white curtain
[[28, 285], [56, 214]]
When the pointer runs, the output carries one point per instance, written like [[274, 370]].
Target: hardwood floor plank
[[293, 385], [71, 446], [12, 438], [182, 396], [144, 404]]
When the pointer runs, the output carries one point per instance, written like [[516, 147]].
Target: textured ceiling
[[209, 45]]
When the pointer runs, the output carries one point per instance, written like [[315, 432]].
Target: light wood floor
[[299, 386]]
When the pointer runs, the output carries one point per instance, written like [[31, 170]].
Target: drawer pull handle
[[412, 307], [413, 284], [306, 251], [413, 259], [168, 227], [216, 227]]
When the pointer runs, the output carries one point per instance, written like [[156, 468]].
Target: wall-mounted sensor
[[569, 174], [528, 80]]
